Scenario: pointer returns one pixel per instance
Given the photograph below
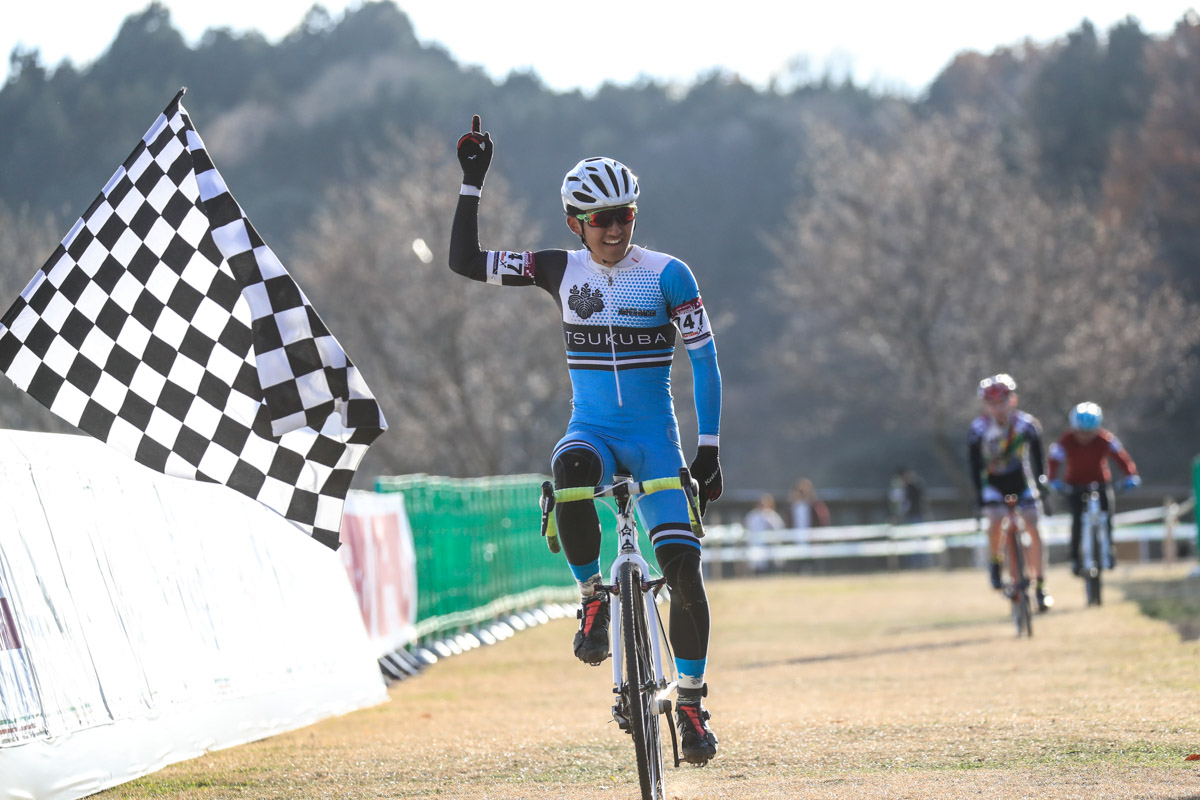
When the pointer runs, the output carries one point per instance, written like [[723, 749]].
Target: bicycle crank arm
[[674, 737]]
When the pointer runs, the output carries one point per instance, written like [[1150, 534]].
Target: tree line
[[866, 257]]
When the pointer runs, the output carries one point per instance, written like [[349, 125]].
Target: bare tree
[[470, 376], [918, 269]]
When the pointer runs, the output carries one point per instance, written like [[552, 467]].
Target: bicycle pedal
[[621, 721]]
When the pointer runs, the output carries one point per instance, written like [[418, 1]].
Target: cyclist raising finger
[[623, 307]]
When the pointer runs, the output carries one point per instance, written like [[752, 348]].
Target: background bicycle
[[1096, 552], [1013, 546]]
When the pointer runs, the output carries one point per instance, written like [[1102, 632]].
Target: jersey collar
[[631, 259]]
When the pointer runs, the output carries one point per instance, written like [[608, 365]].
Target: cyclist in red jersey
[[1086, 449]]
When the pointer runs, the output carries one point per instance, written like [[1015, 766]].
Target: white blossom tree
[[916, 269]]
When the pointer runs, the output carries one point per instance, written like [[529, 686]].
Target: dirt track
[[894, 686]]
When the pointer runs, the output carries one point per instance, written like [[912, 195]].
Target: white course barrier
[[147, 619], [735, 544]]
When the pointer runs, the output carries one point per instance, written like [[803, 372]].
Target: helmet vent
[[598, 182]]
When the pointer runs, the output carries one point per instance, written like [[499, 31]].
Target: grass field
[[899, 685]]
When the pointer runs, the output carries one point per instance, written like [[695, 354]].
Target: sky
[[887, 45]]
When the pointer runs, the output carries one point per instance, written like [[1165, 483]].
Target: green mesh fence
[[479, 550], [1196, 495]]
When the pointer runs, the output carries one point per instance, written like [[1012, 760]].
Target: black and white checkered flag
[[164, 326]]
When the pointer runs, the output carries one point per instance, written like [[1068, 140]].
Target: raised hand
[[475, 154]]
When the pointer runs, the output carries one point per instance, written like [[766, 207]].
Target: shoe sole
[[698, 761], [593, 663]]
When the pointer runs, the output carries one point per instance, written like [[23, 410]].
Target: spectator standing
[[808, 510], [761, 519]]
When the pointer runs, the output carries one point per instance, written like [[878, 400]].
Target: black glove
[[706, 469], [1046, 504], [475, 154]]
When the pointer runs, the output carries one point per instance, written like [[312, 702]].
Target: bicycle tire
[[639, 684], [1022, 613], [1092, 579], [1093, 565], [1026, 614]]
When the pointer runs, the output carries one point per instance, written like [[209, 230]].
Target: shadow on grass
[[1173, 601], [873, 653]]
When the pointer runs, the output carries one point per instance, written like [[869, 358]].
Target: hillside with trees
[[866, 258]]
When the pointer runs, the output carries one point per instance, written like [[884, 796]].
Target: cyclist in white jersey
[[1004, 446], [622, 308]]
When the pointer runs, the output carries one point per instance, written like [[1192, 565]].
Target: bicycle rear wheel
[[640, 686]]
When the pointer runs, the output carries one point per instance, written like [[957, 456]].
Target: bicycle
[[1094, 543], [642, 679], [1012, 532]]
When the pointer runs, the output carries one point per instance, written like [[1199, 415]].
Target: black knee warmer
[[578, 524], [689, 602]]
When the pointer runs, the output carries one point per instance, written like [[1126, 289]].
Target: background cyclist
[[1086, 449], [1005, 450], [622, 307]]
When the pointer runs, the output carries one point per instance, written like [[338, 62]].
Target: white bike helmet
[[1086, 417], [997, 387], [598, 182]]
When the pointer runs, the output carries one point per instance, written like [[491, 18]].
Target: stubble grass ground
[[896, 685]]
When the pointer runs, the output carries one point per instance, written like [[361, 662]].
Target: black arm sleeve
[[975, 453], [1036, 463], [466, 257], [514, 268]]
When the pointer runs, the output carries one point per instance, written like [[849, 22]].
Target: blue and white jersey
[[621, 325], [620, 328]]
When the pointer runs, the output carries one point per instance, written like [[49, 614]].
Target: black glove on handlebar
[[706, 469], [475, 154]]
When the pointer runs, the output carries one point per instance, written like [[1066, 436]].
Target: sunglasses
[[606, 217]]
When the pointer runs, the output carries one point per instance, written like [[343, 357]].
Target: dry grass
[[906, 685]]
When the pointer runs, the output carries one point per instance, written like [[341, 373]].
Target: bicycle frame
[[629, 551]]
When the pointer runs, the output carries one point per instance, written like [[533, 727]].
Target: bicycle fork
[[649, 591], [1094, 542], [661, 687]]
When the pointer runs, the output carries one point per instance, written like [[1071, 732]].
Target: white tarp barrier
[[147, 619], [377, 551]]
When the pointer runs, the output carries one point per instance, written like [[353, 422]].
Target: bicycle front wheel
[[1092, 562], [1091, 578], [640, 688], [1022, 612]]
